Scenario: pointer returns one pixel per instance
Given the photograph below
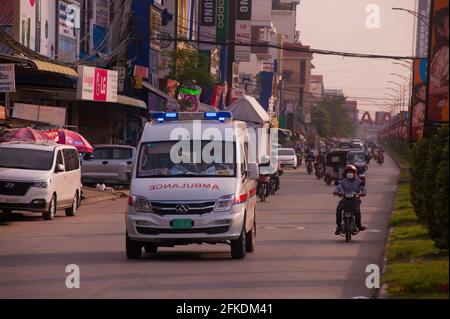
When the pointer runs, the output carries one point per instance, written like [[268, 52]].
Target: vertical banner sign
[[418, 101], [222, 13], [7, 78], [243, 30], [438, 84], [207, 27]]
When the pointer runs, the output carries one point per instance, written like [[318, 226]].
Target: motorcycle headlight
[[43, 184], [140, 204]]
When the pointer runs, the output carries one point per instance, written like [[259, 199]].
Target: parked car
[[287, 157], [39, 178], [108, 164]]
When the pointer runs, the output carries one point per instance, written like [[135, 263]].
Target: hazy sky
[[341, 25]]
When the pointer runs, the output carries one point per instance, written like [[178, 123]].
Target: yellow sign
[[138, 82], [2, 113]]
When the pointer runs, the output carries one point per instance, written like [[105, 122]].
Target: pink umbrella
[[63, 136], [26, 134]]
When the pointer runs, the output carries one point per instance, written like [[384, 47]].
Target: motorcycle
[[274, 184], [263, 187], [319, 170], [299, 158], [309, 166], [348, 228], [380, 160]]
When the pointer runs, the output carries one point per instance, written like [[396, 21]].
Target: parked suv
[[109, 164], [39, 178]]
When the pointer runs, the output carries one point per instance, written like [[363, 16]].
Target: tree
[[332, 118], [321, 118], [190, 68]]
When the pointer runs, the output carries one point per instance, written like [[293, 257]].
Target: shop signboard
[[7, 78], [40, 113], [95, 84]]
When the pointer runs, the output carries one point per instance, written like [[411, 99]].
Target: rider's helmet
[[351, 171]]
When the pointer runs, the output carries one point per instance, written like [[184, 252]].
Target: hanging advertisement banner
[[207, 27], [243, 30], [155, 28], [69, 17], [208, 13], [102, 13], [95, 84], [243, 40], [222, 14], [438, 79], [418, 101], [7, 78]]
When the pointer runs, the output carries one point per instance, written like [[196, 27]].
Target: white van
[[39, 178], [179, 196]]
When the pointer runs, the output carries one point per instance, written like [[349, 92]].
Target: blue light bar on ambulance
[[220, 116], [161, 117]]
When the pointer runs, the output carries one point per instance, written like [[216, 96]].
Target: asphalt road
[[297, 255]]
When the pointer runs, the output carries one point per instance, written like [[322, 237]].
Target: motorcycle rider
[[320, 160], [351, 183]]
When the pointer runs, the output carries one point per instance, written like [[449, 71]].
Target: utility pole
[[230, 48]]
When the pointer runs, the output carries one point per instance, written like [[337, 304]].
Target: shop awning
[[54, 68], [158, 92], [122, 99]]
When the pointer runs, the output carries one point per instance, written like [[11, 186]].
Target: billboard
[[222, 13], [438, 85], [27, 23], [418, 101], [48, 28], [155, 28], [69, 19]]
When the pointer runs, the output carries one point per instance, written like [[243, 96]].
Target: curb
[[382, 292], [113, 196]]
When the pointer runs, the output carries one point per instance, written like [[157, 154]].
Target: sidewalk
[[92, 195]]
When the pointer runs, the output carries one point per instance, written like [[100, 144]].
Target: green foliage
[[429, 184], [332, 118], [407, 249], [323, 122], [190, 68], [420, 278]]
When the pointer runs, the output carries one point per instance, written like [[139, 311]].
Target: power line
[[289, 48]]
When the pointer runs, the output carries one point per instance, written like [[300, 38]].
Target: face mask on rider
[[350, 175]]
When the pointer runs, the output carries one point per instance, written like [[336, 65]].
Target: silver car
[[108, 164]]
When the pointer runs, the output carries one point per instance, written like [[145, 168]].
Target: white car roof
[[162, 131], [35, 146]]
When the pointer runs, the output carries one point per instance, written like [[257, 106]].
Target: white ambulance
[[192, 183]]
